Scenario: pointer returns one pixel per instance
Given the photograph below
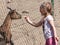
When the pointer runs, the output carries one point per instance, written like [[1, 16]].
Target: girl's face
[[43, 11]]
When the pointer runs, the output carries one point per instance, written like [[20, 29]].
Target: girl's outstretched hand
[[26, 18]]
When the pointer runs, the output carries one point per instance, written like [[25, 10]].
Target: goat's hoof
[[10, 43]]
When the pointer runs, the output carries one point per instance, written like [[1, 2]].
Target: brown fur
[[5, 27]]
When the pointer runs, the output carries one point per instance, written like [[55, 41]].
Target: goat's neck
[[7, 22]]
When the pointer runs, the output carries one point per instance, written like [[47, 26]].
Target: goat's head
[[14, 14]]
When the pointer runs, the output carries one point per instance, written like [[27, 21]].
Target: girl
[[47, 22]]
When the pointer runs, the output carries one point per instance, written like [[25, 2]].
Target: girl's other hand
[[57, 38]]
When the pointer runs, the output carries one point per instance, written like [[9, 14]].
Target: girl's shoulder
[[49, 17]]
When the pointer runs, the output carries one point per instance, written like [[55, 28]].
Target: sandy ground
[[23, 33]]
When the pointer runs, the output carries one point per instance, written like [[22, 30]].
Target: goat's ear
[[9, 8]]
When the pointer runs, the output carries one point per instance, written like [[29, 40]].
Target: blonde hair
[[47, 6]]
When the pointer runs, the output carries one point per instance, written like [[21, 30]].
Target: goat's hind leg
[[2, 35]]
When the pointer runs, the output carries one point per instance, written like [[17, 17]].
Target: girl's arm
[[34, 24], [54, 29]]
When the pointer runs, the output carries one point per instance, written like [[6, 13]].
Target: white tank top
[[47, 30]]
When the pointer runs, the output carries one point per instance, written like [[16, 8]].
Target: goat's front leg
[[8, 38]]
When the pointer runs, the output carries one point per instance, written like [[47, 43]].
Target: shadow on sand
[[2, 41]]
